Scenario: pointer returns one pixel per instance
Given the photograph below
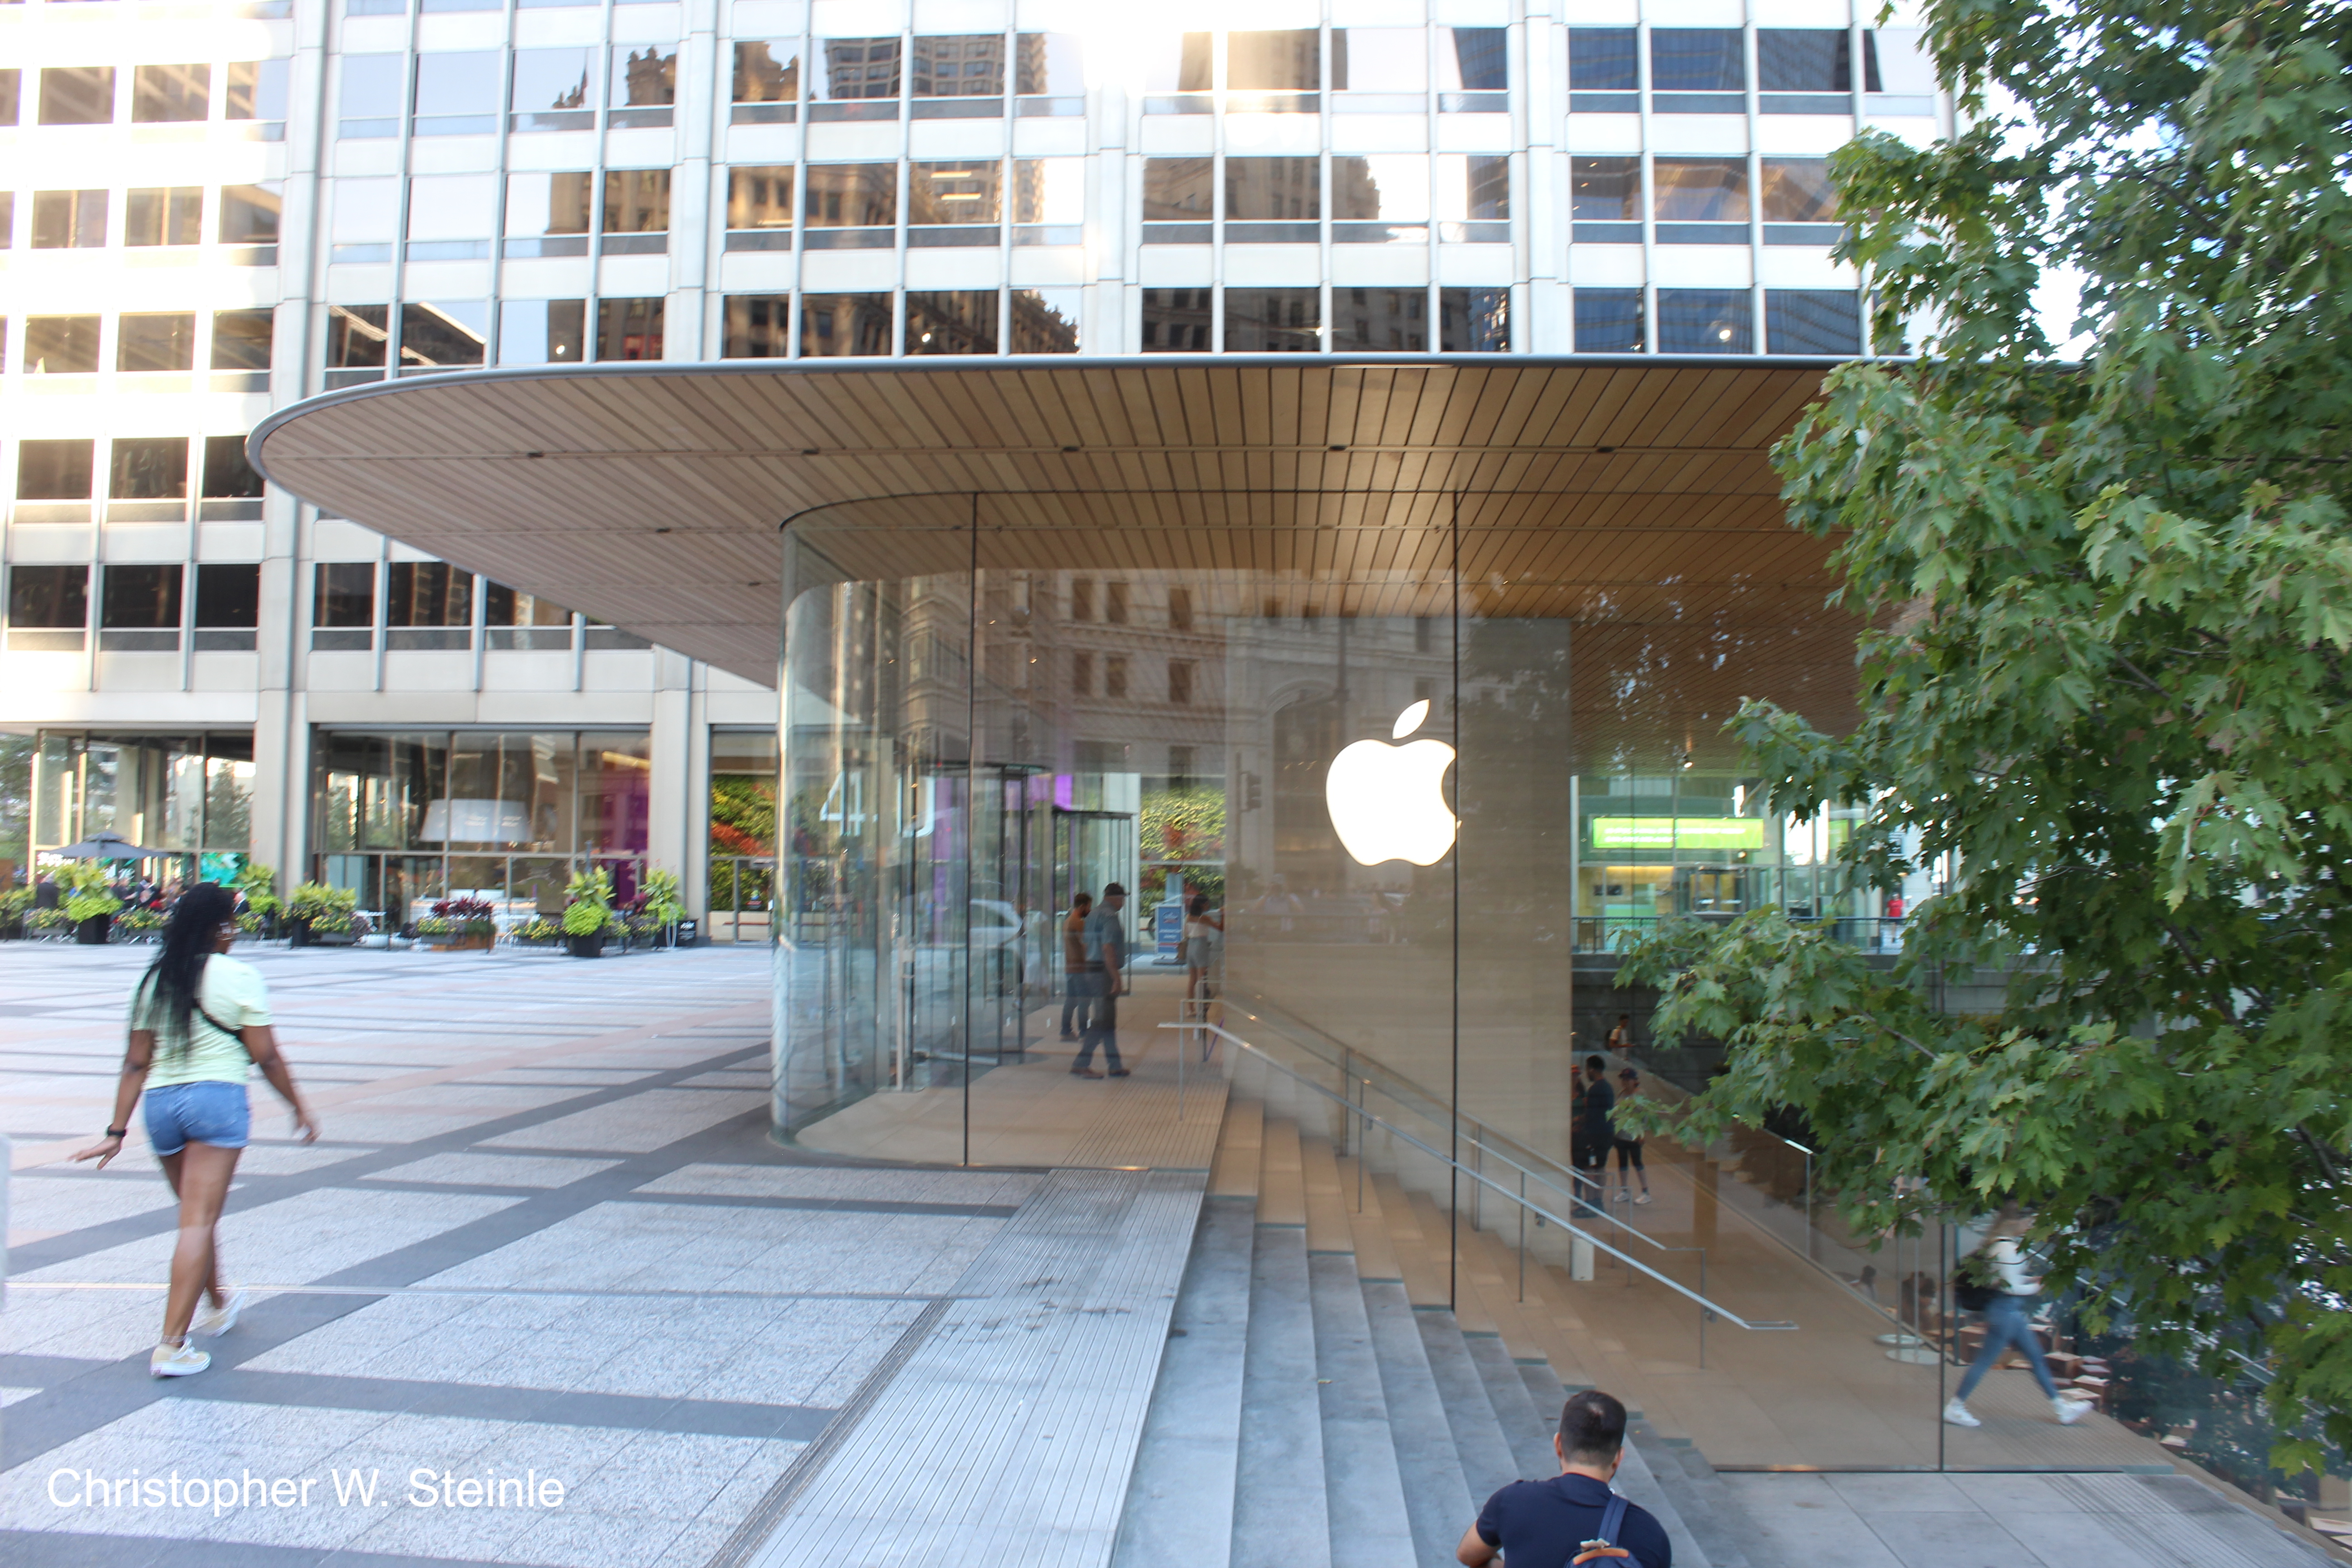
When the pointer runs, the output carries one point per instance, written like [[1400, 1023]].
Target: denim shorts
[[210, 1112]]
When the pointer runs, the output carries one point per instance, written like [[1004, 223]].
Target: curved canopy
[[1632, 491]]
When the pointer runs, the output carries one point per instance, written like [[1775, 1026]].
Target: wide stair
[[1320, 1403]]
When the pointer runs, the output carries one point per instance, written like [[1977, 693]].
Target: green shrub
[[324, 909], [589, 909], [83, 882], [258, 883], [659, 902]]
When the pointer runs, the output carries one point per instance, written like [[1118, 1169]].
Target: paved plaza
[[544, 1236]]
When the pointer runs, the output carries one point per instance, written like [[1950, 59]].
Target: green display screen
[[1678, 833]]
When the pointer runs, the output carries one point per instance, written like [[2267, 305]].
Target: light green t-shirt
[[233, 993]]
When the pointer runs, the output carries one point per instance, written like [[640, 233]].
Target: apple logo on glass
[[1387, 803]]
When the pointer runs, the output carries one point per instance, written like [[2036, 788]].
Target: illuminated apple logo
[[1387, 802]]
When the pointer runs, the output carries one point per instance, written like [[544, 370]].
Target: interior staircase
[[1320, 1405]]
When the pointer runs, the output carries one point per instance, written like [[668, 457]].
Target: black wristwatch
[[118, 1133]]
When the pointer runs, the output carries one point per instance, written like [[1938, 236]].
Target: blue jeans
[[2005, 1326], [210, 1111]]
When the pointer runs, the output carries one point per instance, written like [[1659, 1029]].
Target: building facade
[[219, 210]]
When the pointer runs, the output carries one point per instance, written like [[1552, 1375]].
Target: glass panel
[[1602, 59], [1177, 320], [66, 220], [850, 195], [630, 329], [1813, 322], [835, 324], [1380, 321], [242, 339], [1046, 321], [1380, 60], [959, 65], [552, 90], [1475, 321], [171, 215], [757, 327], [1381, 198], [1803, 60], [951, 321], [249, 212], [768, 72], [256, 90], [1698, 60], [761, 196], [1700, 190], [968, 191], [150, 468], [450, 335], [1273, 321], [228, 794], [227, 473], [636, 201], [1798, 190], [1290, 61], [1475, 59], [644, 75], [1052, 63], [1274, 189], [55, 469], [615, 790], [860, 68], [542, 331]]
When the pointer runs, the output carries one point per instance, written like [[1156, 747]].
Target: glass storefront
[[189, 794], [741, 864], [404, 818]]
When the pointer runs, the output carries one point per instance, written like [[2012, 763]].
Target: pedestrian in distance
[[199, 1025], [1201, 929], [1078, 990], [1620, 1038], [1629, 1150], [1592, 1135], [1105, 936], [2006, 1324], [1573, 1518]]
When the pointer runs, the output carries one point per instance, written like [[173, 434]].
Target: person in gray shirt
[[1107, 947]]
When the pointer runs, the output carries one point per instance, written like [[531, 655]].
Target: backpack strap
[[1611, 1516]]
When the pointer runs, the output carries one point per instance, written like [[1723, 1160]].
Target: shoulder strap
[[217, 1023], [1613, 1516]]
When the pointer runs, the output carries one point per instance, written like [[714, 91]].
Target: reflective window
[[171, 92], [242, 339], [552, 90], [860, 68], [951, 321], [547, 214], [1178, 190], [171, 215], [66, 220], [428, 594], [11, 91], [1803, 60], [636, 201], [958, 65], [1380, 198], [850, 195], [50, 596], [760, 197], [55, 470], [451, 216], [7, 219], [229, 475], [1177, 320], [1049, 190], [370, 100], [140, 597], [969, 191], [1473, 320], [1274, 189], [839, 324], [1602, 59], [1179, 64], [450, 335], [61, 345], [505, 606], [1380, 321], [1706, 321], [256, 90], [1049, 63], [364, 214], [1605, 189], [768, 72], [157, 340], [343, 593], [1608, 320], [1273, 321], [1700, 190], [148, 468], [1698, 60], [248, 214], [1044, 322], [645, 84], [1798, 190], [629, 328], [1899, 56], [77, 95], [1380, 60], [230, 594], [458, 93], [542, 331], [356, 335], [1288, 60], [1475, 188], [1813, 322], [1473, 59], [757, 327]]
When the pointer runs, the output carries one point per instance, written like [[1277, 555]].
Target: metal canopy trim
[[1624, 490]]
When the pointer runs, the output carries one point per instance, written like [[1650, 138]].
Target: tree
[[2109, 607]]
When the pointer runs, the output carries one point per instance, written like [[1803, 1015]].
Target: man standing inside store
[[1594, 1134], [1107, 952]]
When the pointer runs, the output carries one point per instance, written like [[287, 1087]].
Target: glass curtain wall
[[408, 818], [743, 836], [188, 793]]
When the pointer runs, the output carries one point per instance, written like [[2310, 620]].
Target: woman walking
[[199, 1024], [1203, 931]]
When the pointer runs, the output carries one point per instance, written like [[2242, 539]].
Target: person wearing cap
[[1107, 949], [1629, 1150]]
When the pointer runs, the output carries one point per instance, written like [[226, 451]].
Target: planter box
[[459, 944], [92, 932], [589, 946]]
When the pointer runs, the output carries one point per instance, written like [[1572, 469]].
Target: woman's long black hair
[[188, 938]]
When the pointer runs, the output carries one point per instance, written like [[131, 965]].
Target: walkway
[[546, 1237]]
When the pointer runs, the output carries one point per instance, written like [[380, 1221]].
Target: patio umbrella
[[111, 847]]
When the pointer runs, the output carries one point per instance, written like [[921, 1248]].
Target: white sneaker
[[182, 1360], [1957, 1414], [1643, 1199], [213, 1321], [1623, 1196], [2069, 1411]]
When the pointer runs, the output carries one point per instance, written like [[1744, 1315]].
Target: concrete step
[[1363, 1491], [1527, 1432], [1488, 1463], [1278, 1509], [1180, 1499], [1699, 1496], [1281, 1183], [1328, 1229], [1234, 1170], [1422, 1425]]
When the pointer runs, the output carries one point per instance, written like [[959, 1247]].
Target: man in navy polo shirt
[[1548, 1524]]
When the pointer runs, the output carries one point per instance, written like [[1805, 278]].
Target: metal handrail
[[1480, 1177]]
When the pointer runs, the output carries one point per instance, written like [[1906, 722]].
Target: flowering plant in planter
[[473, 919], [590, 907], [88, 897], [325, 908]]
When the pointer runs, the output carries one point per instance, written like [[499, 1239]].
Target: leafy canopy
[[2105, 688]]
